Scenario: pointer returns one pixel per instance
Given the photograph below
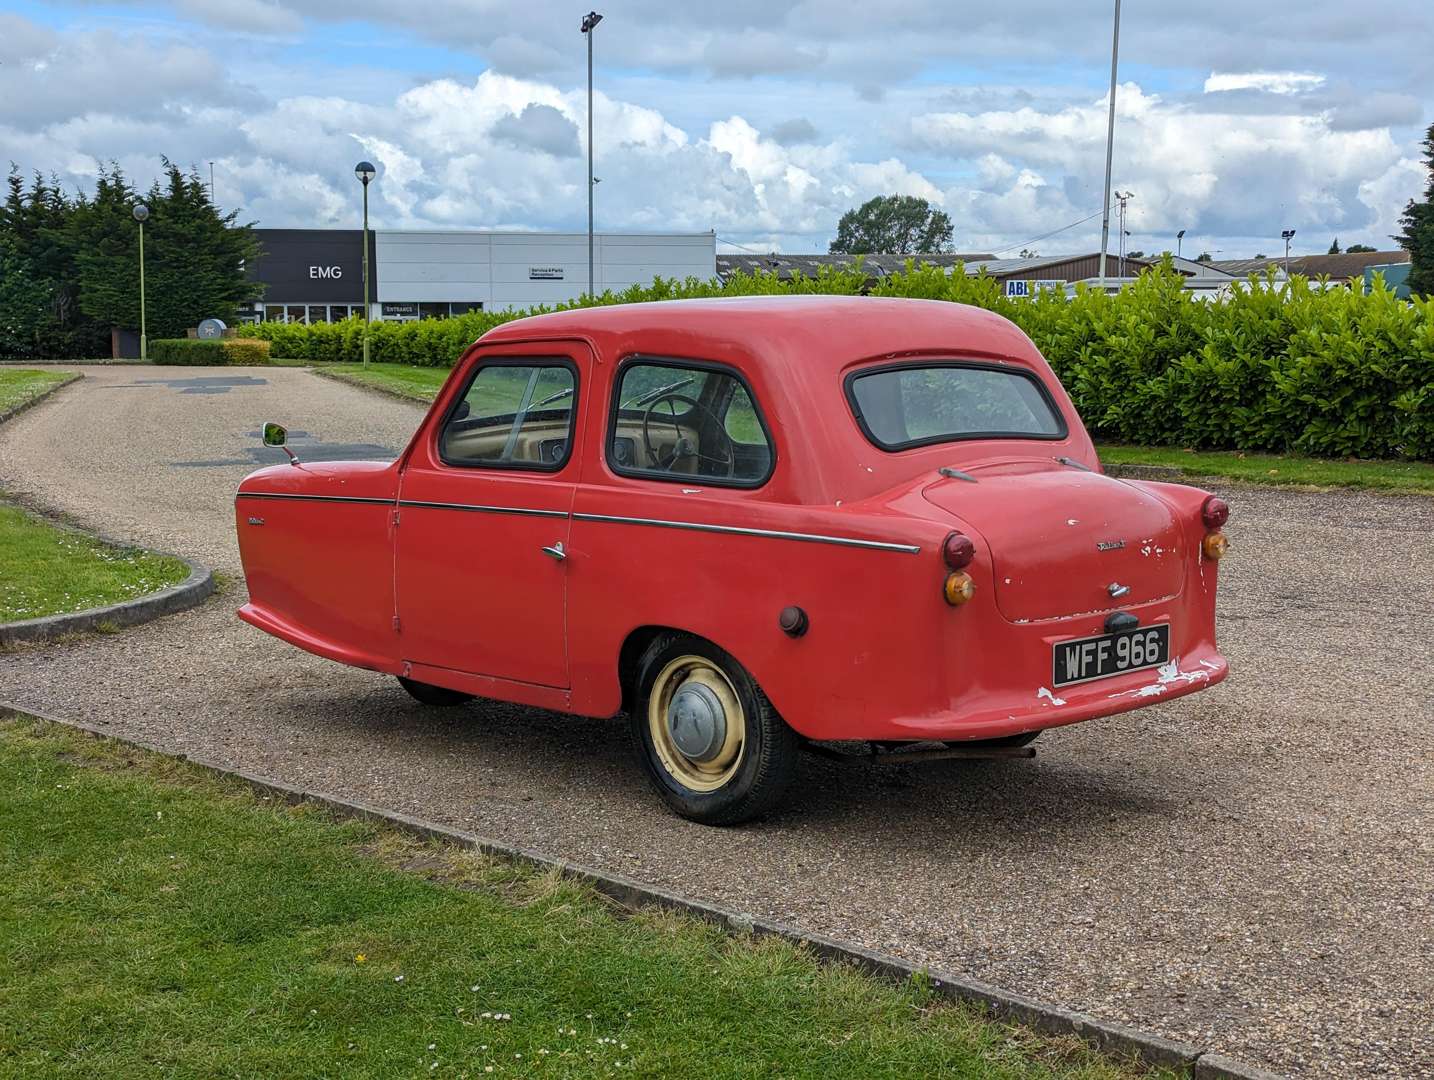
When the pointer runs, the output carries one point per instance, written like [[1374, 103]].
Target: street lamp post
[[141, 213], [589, 24], [1179, 242], [1287, 235], [365, 171], [1109, 146]]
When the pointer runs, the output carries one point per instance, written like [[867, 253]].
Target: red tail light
[[1215, 512], [958, 551]]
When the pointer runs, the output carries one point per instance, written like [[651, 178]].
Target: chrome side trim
[[773, 534], [311, 498], [476, 509], [659, 523]]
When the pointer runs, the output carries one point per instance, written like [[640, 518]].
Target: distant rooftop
[[1343, 266]]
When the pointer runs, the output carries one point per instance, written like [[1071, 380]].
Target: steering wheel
[[682, 447]]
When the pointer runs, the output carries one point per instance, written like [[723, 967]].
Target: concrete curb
[[383, 391], [1108, 1037], [1165, 473], [30, 403], [190, 592]]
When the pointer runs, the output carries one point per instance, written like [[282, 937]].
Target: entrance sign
[[545, 273]]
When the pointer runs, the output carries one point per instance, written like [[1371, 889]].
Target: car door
[[484, 512]]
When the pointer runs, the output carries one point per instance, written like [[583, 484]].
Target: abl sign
[[334, 272], [1025, 289]]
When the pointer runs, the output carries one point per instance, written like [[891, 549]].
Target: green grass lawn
[[47, 571], [157, 921], [19, 385], [418, 383], [1412, 476]]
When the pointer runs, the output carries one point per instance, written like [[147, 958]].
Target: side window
[[680, 422], [513, 416]]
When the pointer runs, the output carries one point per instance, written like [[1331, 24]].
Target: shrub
[[210, 352], [1281, 366]]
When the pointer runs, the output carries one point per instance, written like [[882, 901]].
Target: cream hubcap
[[697, 724]]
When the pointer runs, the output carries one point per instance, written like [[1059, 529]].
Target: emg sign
[[333, 272]]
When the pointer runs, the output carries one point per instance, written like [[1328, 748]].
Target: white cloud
[[1255, 152], [1272, 82]]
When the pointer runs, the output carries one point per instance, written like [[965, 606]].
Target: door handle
[[556, 551]]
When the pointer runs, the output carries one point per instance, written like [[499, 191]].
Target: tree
[[1418, 235], [1333, 247], [1358, 249], [41, 316], [1204, 256], [194, 257], [894, 225], [1135, 254], [1261, 255]]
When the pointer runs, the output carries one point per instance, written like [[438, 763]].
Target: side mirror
[[275, 435], [461, 413]]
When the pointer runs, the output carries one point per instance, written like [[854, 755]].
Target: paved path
[[1250, 868]]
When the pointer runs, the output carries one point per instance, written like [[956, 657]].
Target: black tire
[[1025, 738], [438, 696], [767, 761]]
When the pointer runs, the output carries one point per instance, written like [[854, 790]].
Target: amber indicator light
[[959, 588]]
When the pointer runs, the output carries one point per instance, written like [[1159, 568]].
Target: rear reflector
[[1214, 546], [1215, 512], [958, 551]]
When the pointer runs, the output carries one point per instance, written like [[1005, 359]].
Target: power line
[[1053, 232], [741, 247]]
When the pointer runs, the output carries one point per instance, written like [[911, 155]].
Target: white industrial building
[[316, 275]]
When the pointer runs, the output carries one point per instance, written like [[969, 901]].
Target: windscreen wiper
[[1074, 464], [653, 395], [552, 398]]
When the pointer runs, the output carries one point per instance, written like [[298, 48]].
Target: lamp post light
[[1179, 242], [1287, 235], [589, 24], [1109, 146], [365, 172], [141, 214]]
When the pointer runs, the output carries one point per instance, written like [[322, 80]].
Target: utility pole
[[211, 183], [1109, 145], [589, 24]]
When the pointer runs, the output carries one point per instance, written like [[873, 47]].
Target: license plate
[[1110, 654]]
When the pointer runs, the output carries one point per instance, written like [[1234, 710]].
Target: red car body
[[439, 573]]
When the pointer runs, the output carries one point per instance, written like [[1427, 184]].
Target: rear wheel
[[428, 694], [711, 742]]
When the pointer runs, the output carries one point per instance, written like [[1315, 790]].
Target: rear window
[[916, 405]]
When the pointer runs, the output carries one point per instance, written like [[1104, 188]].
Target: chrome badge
[[1106, 545], [256, 521]]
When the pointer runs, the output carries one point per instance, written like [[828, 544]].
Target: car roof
[[772, 331]]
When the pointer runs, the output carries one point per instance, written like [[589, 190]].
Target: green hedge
[[209, 352], [1278, 367]]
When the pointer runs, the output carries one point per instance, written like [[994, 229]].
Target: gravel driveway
[[1249, 868]]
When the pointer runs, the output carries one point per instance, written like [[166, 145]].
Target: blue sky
[[760, 120]]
